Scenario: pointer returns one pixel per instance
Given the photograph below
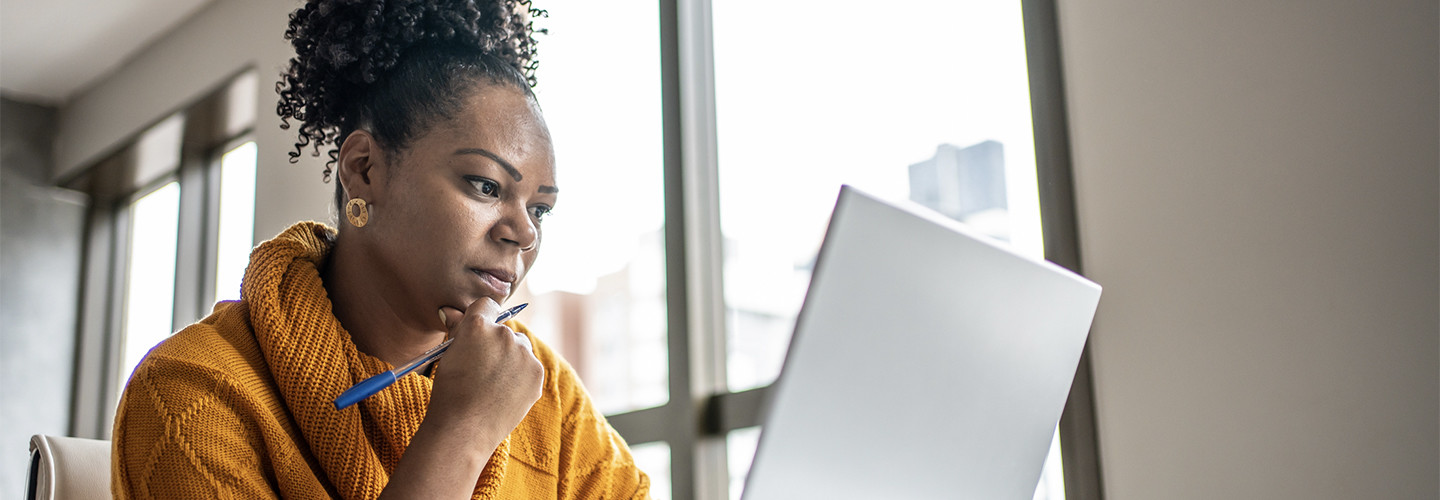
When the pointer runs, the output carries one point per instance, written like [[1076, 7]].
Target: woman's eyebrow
[[482, 152], [548, 190]]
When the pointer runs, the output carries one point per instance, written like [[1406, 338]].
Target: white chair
[[66, 468]]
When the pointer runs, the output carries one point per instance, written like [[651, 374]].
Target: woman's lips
[[498, 281]]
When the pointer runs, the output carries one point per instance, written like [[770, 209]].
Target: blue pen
[[377, 383]]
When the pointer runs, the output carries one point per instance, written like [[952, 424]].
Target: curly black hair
[[393, 67]]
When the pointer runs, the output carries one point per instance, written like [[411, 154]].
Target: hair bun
[[344, 46]]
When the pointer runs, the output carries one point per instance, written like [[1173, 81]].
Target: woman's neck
[[359, 299]]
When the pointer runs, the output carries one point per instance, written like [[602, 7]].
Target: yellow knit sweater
[[239, 405]]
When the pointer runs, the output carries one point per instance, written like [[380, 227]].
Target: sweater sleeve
[[178, 434], [594, 461]]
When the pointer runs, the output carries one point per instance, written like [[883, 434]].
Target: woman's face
[[456, 216]]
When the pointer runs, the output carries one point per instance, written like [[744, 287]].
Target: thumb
[[486, 307], [450, 317]]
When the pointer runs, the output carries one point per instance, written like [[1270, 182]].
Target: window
[[170, 229], [740, 447], [942, 118], [910, 120], [154, 237], [153, 222], [237, 220], [150, 291], [654, 459], [677, 309]]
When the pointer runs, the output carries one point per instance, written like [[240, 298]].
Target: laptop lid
[[927, 362]]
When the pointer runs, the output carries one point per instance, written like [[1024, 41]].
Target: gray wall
[[40, 233], [1257, 191]]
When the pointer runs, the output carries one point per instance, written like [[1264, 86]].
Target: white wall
[[179, 68], [1257, 191]]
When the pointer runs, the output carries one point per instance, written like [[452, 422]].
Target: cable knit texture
[[240, 405]]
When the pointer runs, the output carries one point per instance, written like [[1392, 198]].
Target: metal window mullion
[[736, 410], [92, 372], [1080, 457], [210, 238], [703, 240], [679, 411], [645, 425], [114, 338], [190, 252]]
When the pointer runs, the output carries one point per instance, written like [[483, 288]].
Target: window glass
[[933, 107], [740, 451], [597, 291], [1052, 478], [237, 220], [935, 110], [150, 275], [654, 459]]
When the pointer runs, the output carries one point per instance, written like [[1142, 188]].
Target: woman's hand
[[489, 378], [486, 385]]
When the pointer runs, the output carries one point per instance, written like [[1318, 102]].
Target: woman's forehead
[[500, 120]]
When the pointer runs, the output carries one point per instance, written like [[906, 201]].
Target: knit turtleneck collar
[[313, 359]]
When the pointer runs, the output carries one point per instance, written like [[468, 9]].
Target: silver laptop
[[927, 362]]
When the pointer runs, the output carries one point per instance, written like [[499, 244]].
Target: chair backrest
[[66, 467]]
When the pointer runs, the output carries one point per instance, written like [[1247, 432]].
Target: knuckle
[[483, 329], [472, 320]]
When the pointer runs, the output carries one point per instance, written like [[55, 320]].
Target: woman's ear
[[358, 162]]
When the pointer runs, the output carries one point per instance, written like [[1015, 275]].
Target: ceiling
[[52, 49]]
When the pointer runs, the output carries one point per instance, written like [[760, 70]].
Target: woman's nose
[[515, 227]]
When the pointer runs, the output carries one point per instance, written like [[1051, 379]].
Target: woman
[[445, 171]]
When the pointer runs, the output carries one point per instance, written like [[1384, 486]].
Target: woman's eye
[[485, 186], [540, 212]]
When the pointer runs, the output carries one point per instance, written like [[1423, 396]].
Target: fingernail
[[442, 315]]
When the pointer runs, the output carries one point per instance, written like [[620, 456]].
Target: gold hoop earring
[[357, 212]]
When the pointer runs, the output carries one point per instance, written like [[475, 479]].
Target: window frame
[[1079, 441]]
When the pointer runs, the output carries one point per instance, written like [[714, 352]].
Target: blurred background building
[[966, 184]]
